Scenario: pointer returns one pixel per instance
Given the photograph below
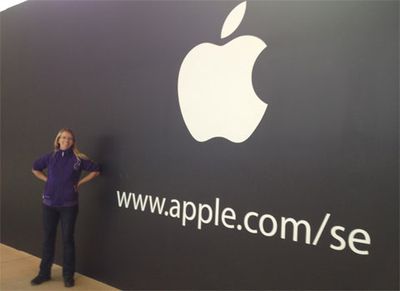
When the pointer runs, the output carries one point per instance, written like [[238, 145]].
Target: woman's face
[[66, 140]]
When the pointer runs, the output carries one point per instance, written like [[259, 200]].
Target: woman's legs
[[68, 217], [50, 221]]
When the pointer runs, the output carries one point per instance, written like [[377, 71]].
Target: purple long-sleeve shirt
[[63, 173]]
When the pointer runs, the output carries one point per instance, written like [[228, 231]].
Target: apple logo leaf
[[233, 20]]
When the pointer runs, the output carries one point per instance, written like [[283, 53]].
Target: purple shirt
[[63, 174]]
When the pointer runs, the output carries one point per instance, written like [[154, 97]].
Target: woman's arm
[[88, 177], [40, 175]]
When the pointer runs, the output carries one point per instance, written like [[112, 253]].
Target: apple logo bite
[[215, 89]]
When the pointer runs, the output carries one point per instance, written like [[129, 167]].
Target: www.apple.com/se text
[[358, 240]]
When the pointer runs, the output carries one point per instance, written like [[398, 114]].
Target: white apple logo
[[215, 89]]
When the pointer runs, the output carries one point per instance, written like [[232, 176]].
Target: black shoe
[[39, 279], [69, 283]]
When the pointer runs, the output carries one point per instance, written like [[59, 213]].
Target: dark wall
[[328, 142]]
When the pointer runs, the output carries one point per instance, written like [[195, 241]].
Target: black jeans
[[51, 217]]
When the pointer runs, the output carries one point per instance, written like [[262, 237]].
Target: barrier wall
[[256, 149]]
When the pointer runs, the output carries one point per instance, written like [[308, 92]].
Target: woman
[[60, 201]]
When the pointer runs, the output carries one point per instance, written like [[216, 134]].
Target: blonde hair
[[75, 149]]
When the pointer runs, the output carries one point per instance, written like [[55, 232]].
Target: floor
[[18, 268]]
